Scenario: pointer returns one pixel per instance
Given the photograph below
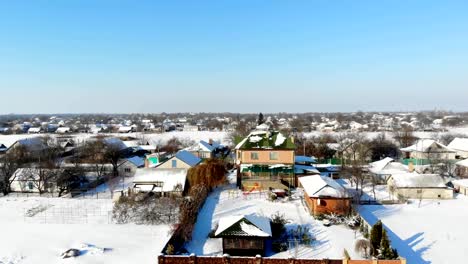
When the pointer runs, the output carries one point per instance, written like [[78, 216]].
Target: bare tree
[[405, 137], [9, 163], [363, 247]]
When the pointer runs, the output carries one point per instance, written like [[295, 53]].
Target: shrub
[[279, 246], [210, 174], [301, 234], [277, 224], [170, 250]]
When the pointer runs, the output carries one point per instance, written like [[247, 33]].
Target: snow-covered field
[[433, 232], [330, 241], [57, 224]]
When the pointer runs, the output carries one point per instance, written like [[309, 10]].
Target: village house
[[265, 158], [63, 130], [164, 182], [182, 160], [461, 168], [383, 169], [34, 180], [244, 235], [428, 149], [324, 195], [419, 186], [34, 130], [203, 149], [460, 146]]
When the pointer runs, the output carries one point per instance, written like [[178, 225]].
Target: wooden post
[[258, 259], [192, 259]]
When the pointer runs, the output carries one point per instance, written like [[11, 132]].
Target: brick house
[[265, 158]]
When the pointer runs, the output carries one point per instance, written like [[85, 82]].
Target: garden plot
[[431, 232], [39, 230], [329, 241]]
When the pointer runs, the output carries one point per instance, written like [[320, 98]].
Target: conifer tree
[[376, 237], [260, 119]]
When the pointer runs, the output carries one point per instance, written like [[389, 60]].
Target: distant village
[[265, 186]]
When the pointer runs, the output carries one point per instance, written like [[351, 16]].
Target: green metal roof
[[267, 141]]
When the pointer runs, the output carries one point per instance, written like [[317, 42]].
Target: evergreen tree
[[376, 237], [260, 119], [385, 251]]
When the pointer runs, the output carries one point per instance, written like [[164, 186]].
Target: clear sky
[[80, 56]]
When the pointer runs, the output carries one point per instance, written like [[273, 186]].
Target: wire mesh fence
[[70, 211]]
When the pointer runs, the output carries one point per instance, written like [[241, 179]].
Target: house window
[[127, 170], [174, 163], [253, 155], [418, 191], [30, 186], [273, 155]]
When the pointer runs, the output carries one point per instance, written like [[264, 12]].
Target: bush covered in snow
[[147, 210]]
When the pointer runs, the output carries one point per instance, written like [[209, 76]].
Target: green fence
[[333, 161]]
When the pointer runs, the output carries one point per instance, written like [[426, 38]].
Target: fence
[[192, 259], [70, 211]]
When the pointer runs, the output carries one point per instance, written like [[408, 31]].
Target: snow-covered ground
[[154, 138], [57, 224], [227, 201], [220, 136], [431, 232]]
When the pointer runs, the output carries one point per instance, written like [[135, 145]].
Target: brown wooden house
[[244, 235], [324, 195]]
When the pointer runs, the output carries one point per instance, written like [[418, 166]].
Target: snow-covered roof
[[62, 130], [248, 225], [125, 129], [462, 182], [301, 169], [169, 178], [131, 143], [259, 139], [188, 158], [137, 161], [387, 166], [304, 159], [463, 163], [415, 180], [319, 186], [459, 144], [115, 142], [204, 146], [34, 130], [424, 145], [380, 165]]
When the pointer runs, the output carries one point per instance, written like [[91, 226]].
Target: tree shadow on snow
[[404, 247], [203, 225]]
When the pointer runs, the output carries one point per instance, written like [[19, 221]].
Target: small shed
[[324, 195], [244, 235], [164, 182]]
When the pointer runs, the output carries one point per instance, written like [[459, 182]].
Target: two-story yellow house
[[265, 159]]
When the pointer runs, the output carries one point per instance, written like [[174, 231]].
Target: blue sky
[[237, 56]]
